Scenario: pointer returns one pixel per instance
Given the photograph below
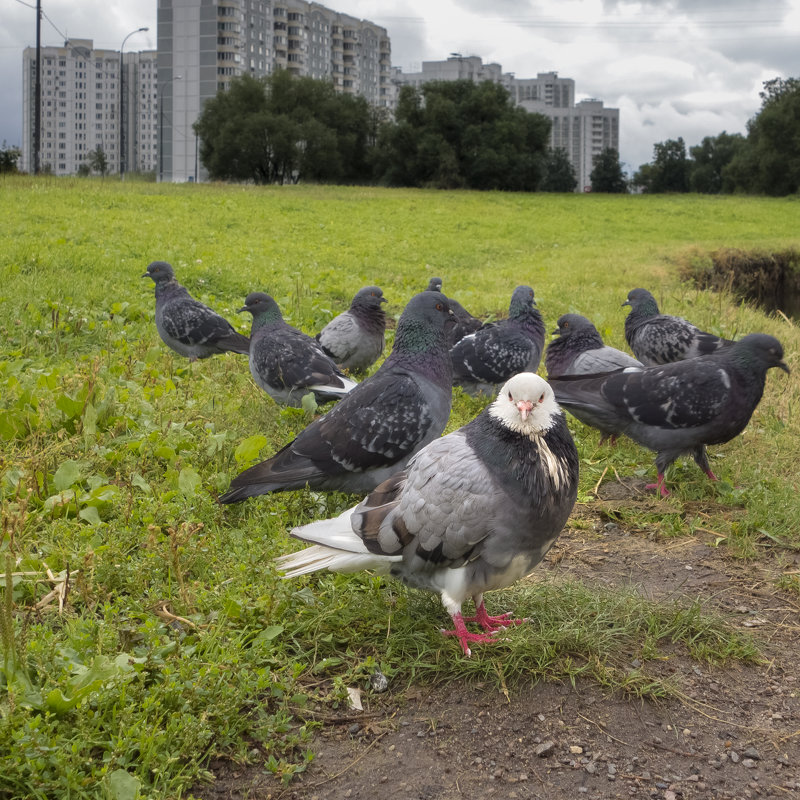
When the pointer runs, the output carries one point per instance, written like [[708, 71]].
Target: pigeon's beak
[[784, 367], [554, 332], [524, 407], [626, 303], [243, 308], [384, 300], [146, 275]]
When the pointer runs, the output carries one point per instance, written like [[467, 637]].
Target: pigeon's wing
[[663, 339], [288, 358], [443, 502], [190, 322], [601, 359], [379, 424], [491, 354], [686, 394], [339, 337]]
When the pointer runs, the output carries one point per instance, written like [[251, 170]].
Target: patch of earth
[[731, 732]]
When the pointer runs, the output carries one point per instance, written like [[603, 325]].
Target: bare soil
[[731, 732]]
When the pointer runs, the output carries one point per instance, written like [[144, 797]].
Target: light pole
[[160, 103], [122, 102]]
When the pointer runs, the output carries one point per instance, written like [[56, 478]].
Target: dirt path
[[735, 732]]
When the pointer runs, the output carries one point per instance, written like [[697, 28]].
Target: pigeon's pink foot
[[660, 485], [711, 475], [465, 637], [490, 623], [611, 439]]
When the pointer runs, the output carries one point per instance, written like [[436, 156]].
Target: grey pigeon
[[677, 408], [484, 360], [657, 338], [579, 350], [474, 511], [372, 432], [187, 326], [465, 322], [285, 362], [355, 339]]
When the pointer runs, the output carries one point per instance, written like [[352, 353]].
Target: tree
[[709, 160], [453, 134], [283, 129], [97, 161], [769, 163], [9, 156], [607, 175], [559, 172], [669, 170]]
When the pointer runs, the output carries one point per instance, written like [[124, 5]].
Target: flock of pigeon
[[477, 509]]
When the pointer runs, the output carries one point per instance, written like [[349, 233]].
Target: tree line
[[765, 161], [445, 135]]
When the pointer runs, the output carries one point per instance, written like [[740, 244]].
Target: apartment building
[[202, 44], [584, 129], [80, 107]]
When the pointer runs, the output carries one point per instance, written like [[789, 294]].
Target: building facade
[[583, 129], [80, 107], [202, 44]]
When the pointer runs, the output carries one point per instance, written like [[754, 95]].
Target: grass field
[[143, 628]]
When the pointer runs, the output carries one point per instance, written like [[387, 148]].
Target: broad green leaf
[[140, 483], [68, 474], [123, 785], [90, 419], [247, 451], [91, 515], [71, 408], [189, 481], [268, 634]]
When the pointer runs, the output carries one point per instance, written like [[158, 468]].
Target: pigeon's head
[[761, 349], [526, 404], [425, 323], [521, 301], [159, 271], [641, 300], [434, 285], [368, 297], [261, 305], [569, 323]]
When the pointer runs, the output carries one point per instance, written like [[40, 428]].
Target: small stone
[[523, 776], [354, 729], [379, 682], [748, 763], [541, 717], [384, 778], [687, 732], [669, 795], [545, 749], [420, 734], [784, 759], [612, 770], [575, 749], [636, 663], [734, 756], [646, 776], [591, 767], [751, 752], [583, 789]]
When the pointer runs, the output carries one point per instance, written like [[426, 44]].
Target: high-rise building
[[80, 105], [583, 129], [202, 44]]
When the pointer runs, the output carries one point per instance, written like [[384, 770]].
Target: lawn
[[143, 627]]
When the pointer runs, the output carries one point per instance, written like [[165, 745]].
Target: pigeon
[[484, 360], [677, 408], [465, 322], [579, 350], [475, 510], [660, 338], [355, 339], [285, 362], [187, 326], [372, 432]]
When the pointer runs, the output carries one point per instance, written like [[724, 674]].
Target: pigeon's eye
[[439, 307], [541, 399], [510, 397], [565, 325]]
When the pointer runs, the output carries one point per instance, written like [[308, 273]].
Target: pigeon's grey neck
[[420, 346], [170, 288], [370, 318], [528, 318], [269, 316], [645, 306], [562, 351]]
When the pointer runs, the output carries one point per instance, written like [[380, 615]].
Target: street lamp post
[[122, 102], [160, 104]]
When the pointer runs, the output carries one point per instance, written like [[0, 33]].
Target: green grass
[[177, 639]]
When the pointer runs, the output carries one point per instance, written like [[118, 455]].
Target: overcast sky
[[689, 68]]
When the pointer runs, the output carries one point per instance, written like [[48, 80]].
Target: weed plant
[[143, 625]]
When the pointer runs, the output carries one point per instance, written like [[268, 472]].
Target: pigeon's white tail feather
[[319, 557], [327, 388], [337, 548]]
